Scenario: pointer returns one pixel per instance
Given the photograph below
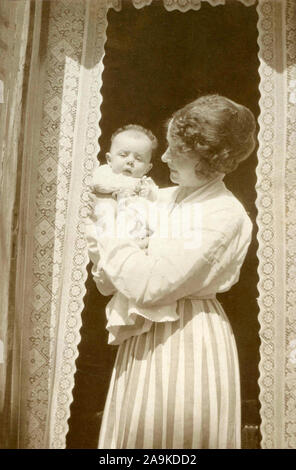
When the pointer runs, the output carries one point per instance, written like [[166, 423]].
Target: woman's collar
[[184, 193]]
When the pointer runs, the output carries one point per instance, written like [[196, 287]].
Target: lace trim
[[181, 5], [265, 222]]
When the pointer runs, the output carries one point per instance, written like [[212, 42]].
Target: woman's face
[[182, 166]]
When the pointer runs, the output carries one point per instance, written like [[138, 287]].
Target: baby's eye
[[122, 154], [138, 159]]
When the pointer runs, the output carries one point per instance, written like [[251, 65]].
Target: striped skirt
[[177, 386]]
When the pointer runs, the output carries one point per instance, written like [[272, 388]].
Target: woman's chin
[[174, 177]]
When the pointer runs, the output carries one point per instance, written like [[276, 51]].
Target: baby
[[128, 162], [124, 175]]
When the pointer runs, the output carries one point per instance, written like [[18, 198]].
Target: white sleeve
[[180, 269], [103, 283]]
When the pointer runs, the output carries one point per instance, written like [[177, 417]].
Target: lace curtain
[[276, 202], [58, 153]]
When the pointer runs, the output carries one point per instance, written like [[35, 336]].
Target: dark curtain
[[156, 62]]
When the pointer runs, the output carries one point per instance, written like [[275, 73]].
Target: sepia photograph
[[147, 225]]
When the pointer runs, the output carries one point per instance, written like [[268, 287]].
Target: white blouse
[[196, 250]]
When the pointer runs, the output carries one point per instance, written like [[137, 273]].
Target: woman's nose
[[165, 156]]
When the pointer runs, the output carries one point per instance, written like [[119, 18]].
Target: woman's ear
[[108, 158]]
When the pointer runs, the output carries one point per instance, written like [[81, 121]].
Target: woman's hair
[[217, 131]]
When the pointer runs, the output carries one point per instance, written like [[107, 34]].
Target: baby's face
[[130, 154]]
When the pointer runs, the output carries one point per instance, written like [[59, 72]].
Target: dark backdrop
[[156, 62]]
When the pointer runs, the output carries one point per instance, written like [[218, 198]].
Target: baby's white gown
[[175, 382]]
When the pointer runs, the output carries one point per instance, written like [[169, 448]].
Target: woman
[[175, 382]]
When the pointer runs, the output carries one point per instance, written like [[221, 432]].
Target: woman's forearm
[[151, 281]]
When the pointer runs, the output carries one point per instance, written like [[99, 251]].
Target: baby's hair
[[138, 128], [215, 129]]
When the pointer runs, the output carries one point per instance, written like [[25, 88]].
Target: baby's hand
[[148, 189], [144, 192]]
